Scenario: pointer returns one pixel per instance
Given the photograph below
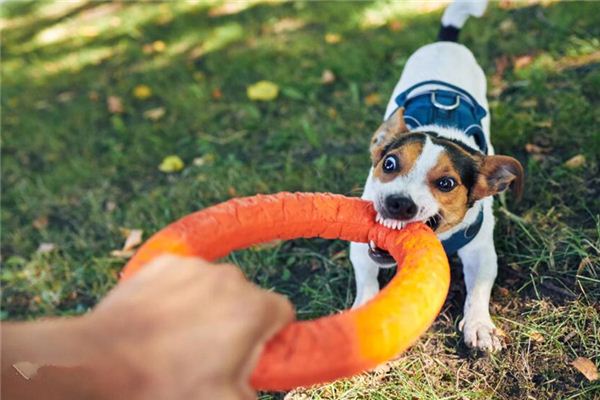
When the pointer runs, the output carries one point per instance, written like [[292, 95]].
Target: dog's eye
[[446, 184], [390, 164]]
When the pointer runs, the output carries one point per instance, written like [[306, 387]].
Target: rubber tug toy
[[305, 353]]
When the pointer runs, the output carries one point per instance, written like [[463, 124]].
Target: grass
[[74, 173]]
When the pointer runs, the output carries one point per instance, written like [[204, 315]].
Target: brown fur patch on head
[[393, 127], [453, 204], [496, 174], [407, 155]]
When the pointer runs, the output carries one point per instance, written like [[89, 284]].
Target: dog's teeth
[[378, 217], [395, 225]]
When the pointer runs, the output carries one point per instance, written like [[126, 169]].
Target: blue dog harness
[[455, 108]]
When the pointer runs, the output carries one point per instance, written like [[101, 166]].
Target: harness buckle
[[443, 106]]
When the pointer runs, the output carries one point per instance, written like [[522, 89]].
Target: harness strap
[[454, 107], [463, 237]]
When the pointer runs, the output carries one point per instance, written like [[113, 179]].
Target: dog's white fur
[[455, 64]]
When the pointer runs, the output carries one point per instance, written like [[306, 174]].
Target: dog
[[433, 162]]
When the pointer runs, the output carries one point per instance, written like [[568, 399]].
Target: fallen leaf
[[333, 38], [535, 149], [504, 292], [583, 264], [231, 191], [586, 367], [522, 61], [570, 336], [45, 248], [327, 77], [110, 206], [396, 25], [40, 222], [372, 99], [114, 104], [286, 25], [171, 164], [65, 97], [93, 96], [216, 94], [159, 46], [122, 253], [89, 31], [332, 112], [263, 91], [547, 123], [142, 92], [507, 26], [154, 114], [134, 238], [227, 8], [536, 337], [575, 162], [529, 103]]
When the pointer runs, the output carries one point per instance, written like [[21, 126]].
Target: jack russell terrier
[[433, 162]]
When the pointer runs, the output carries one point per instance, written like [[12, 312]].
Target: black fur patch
[[402, 140], [466, 164]]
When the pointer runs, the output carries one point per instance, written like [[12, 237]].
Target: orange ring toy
[[309, 352]]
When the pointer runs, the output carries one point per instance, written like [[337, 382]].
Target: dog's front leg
[[480, 267], [365, 273]]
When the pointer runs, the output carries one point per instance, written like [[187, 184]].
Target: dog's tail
[[456, 15]]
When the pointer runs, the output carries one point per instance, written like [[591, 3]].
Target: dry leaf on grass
[[40, 222], [134, 238], [114, 104], [216, 94], [327, 77], [263, 91], [154, 114], [536, 337], [333, 38], [535, 149], [575, 162], [65, 97], [522, 61], [122, 253], [45, 248], [171, 164], [396, 25], [372, 99], [142, 92], [586, 367], [585, 263]]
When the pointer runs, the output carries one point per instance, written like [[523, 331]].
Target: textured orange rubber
[[344, 344]]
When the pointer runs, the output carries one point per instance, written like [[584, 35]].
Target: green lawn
[[75, 173]]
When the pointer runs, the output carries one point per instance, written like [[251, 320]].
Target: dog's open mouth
[[434, 222], [381, 256]]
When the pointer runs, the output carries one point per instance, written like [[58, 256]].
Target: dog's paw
[[481, 334]]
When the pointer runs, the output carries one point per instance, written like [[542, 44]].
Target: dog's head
[[421, 176]]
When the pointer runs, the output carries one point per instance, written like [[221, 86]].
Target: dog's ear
[[393, 127], [496, 174]]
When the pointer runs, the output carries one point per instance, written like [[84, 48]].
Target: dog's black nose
[[400, 207]]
